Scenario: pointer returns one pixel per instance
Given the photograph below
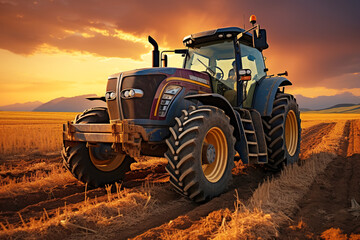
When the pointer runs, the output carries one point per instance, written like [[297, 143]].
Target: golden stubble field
[[31, 132], [314, 199]]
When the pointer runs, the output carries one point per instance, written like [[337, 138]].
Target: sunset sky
[[51, 48]]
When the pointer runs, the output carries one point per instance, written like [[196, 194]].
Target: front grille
[[113, 106], [139, 108]]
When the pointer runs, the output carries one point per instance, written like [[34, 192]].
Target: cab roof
[[215, 34]]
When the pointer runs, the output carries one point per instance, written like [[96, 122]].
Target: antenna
[[244, 20]]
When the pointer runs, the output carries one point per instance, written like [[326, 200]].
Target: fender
[[265, 94], [219, 101]]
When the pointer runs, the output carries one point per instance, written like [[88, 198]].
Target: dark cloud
[[316, 65], [27, 25], [315, 40]]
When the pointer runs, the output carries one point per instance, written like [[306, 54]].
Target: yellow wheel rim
[[107, 165], [291, 133], [214, 166]]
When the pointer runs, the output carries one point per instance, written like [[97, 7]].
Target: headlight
[[131, 93], [172, 89], [110, 96], [167, 97]]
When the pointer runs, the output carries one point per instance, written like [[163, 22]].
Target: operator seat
[[230, 95], [231, 74]]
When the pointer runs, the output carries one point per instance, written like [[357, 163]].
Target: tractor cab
[[220, 53]]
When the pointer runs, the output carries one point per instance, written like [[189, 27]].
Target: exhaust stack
[[156, 53]]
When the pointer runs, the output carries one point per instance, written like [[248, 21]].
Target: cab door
[[252, 59]]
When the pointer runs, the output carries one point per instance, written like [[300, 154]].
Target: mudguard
[[265, 94], [219, 101]]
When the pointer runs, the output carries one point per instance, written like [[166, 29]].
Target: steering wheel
[[208, 69], [221, 73]]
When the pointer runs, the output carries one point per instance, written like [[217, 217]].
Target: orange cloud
[[316, 41]]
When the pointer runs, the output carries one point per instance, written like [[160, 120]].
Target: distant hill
[[341, 105], [71, 104], [323, 102], [305, 109], [345, 102], [353, 108], [23, 107]]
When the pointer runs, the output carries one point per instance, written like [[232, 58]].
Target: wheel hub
[[102, 152], [214, 154], [104, 158], [210, 153]]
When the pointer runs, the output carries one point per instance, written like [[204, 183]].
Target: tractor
[[221, 103]]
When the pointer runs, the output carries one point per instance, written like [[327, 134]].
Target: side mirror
[[260, 42], [245, 74]]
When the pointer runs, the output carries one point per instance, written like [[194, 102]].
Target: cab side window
[[252, 59]]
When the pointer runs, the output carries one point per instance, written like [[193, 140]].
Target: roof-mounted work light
[[253, 19]]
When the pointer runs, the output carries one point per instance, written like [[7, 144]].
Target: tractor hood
[[150, 83], [166, 71], [145, 71]]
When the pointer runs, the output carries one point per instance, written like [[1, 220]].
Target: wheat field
[[41, 132], [40, 199], [31, 132]]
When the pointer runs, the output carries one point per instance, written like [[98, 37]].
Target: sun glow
[[51, 73], [118, 34], [321, 91]]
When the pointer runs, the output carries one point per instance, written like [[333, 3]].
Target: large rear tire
[[283, 132], [201, 153], [96, 165]]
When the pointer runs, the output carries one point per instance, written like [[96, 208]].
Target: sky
[[65, 48]]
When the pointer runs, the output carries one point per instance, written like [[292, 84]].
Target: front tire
[[201, 153], [95, 165], [283, 132]]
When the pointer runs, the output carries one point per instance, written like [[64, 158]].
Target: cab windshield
[[217, 59]]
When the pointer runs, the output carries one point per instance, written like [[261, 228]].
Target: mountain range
[[340, 108], [22, 107], [80, 103], [72, 104], [323, 102], [62, 104]]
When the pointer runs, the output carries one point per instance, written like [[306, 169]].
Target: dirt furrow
[[27, 160], [173, 206], [138, 177], [33, 204], [327, 203], [312, 136], [244, 184], [354, 138]]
